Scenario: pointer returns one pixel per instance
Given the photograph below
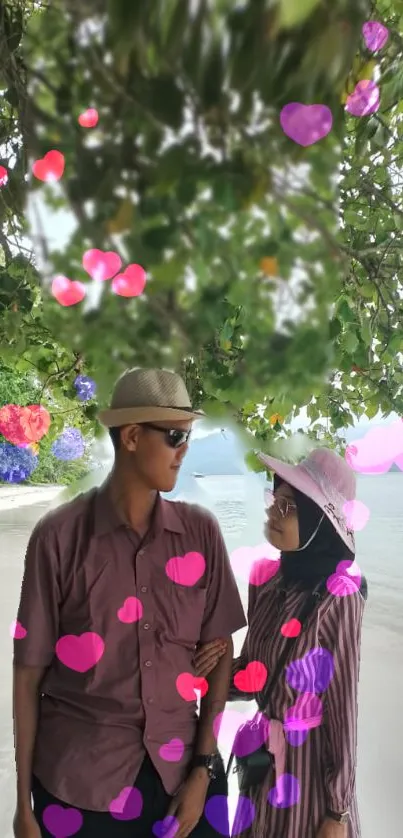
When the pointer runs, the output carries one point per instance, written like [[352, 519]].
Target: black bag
[[253, 767]]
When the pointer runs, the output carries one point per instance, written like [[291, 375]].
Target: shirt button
[[144, 589], [148, 663], [140, 553], [146, 626], [150, 700]]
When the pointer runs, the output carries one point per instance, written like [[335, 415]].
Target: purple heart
[[62, 822], [306, 124], [285, 793], [127, 805], [295, 738], [306, 713], [312, 673], [166, 828], [251, 736], [364, 100], [216, 813], [375, 35]]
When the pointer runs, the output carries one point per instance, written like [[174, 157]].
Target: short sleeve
[[224, 614], [242, 661], [38, 614]]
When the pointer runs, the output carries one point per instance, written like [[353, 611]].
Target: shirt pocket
[[187, 607]]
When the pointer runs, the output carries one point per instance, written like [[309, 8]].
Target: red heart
[[292, 628], [50, 167], [131, 282], [67, 292], [89, 118], [186, 684], [252, 679], [101, 264], [24, 425], [3, 176]]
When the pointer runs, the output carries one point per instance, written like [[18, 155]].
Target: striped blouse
[[321, 762]]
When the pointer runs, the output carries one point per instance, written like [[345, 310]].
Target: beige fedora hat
[[142, 395]]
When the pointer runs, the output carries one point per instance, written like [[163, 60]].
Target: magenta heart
[[128, 805], [306, 124], [285, 793], [173, 751], [375, 35], [306, 713], [3, 176], [131, 611], [101, 264], [80, 653], [364, 100], [187, 569], [17, 631], [62, 822], [131, 282], [67, 292], [89, 118]]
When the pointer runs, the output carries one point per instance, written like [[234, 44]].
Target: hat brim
[[299, 479], [116, 418]]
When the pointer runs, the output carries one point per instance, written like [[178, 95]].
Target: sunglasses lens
[[177, 438]]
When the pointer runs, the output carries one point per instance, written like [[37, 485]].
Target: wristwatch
[[210, 762], [342, 817]]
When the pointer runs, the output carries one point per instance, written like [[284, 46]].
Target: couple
[[120, 587]]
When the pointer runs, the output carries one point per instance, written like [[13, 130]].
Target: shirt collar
[[107, 518]]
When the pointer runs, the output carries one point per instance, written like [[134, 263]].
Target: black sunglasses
[[173, 437]]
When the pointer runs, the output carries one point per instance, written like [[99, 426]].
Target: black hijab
[[306, 568]]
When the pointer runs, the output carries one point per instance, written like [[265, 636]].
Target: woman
[[312, 794]]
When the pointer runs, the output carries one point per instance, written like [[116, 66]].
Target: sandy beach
[[380, 757]]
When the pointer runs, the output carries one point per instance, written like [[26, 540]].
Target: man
[[119, 587]]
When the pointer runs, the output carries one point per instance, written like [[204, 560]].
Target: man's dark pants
[[155, 806]]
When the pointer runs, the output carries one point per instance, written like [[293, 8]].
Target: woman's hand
[[332, 829], [207, 656]]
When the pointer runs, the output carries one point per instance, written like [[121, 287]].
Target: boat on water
[[196, 474]]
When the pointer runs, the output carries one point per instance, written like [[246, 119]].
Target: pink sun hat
[[327, 479]]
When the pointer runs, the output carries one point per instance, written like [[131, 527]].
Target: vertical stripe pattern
[[325, 763]]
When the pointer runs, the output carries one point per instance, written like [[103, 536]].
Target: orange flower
[[276, 418], [269, 266]]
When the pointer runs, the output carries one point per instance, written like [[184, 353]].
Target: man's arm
[[213, 703], [26, 685]]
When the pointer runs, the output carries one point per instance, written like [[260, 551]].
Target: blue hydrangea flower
[[69, 445], [85, 387], [16, 464]]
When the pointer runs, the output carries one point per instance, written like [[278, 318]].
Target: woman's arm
[[342, 636], [242, 660]]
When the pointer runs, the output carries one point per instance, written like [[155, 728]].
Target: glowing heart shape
[[186, 684], [100, 264], [292, 628], [50, 167], [341, 584], [131, 282], [67, 292], [375, 35], [166, 828], [24, 425], [311, 673], [128, 805], [62, 822], [377, 450], [262, 571], [131, 610], [306, 124], [173, 750], [285, 793], [3, 176], [251, 679], [88, 119], [364, 100], [187, 569], [356, 514], [255, 564], [226, 726], [17, 631], [80, 652], [217, 814], [306, 714]]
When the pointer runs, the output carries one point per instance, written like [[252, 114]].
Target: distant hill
[[218, 453]]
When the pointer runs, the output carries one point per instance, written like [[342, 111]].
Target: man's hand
[[188, 805], [332, 829], [25, 825], [207, 656]]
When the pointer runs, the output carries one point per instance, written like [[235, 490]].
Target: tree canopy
[[272, 267]]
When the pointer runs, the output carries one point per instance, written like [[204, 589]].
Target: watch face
[[344, 818]]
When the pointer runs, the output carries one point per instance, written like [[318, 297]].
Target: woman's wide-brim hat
[[142, 395], [327, 479]]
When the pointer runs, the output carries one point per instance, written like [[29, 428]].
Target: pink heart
[[251, 679], [80, 653], [62, 822], [187, 569], [375, 35], [101, 264], [3, 176], [186, 684], [131, 611], [306, 124], [227, 724], [89, 118], [244, 560], [128, 805], [292, 628], [364, 100], [17, 631], [67, 292], [173, 750], [263, 570], [131, 282], [356, 514], [50, 167]]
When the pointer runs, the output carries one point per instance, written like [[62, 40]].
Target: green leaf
[[294, 12]]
